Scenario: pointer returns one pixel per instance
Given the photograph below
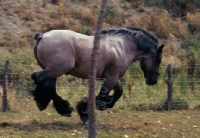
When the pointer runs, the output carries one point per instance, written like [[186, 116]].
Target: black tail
[[38, 36]]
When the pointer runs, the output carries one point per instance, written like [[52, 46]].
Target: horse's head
[[150, 67]]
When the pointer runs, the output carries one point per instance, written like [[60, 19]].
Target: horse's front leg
[[104, 100]]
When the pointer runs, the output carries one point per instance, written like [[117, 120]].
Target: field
[[140, 111], [112, 123]]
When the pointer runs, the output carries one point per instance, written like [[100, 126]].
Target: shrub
[[86, 15], [193, 22], [160, 22], [180, 28], [114, 16]]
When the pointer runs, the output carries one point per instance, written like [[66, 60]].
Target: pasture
[[112, 123], [140, 111], [25, 120]]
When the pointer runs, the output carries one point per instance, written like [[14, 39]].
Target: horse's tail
[[37, 37]]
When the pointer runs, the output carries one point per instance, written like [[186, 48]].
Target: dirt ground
[[113, 123]]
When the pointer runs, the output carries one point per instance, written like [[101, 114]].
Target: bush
[[193, 22], [160, 22], [191, 42]]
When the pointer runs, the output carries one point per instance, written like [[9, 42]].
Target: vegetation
[[111, 124], [176, 23], [81, 16]]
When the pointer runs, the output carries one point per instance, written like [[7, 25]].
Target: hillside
[[20, 21]]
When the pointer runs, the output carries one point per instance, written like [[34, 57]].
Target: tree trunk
[[92, 75]]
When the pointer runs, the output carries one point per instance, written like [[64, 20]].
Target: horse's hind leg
[[46, 90], [62, 106], [43, 91]]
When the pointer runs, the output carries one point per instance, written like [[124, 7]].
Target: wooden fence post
[[169, 86], [5, 88]]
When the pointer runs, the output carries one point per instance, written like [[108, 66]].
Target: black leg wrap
[[82, 109], [62, 106]]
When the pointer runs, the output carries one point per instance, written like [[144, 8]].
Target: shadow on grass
[[61, 126], [33, 126]]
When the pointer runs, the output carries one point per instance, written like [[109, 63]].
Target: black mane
[[144, 40]]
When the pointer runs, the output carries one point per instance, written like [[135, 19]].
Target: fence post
[[169, 86], [5, 87]]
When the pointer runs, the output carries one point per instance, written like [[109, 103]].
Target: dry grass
[[133, 21], [193, 22], [115, 16], [180, 28], [141, 8], [111, 124], [87, 15], [160, 22], [23, 42]]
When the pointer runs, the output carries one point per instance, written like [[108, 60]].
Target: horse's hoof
[[82, 110], [41, 108], [62, 106], [84, 119], [100, 105], [66, 114], [103, 102], [69, 111]]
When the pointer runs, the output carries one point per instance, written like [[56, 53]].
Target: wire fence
[[184, 93]]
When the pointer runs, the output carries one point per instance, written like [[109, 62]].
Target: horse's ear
[[160, 48]]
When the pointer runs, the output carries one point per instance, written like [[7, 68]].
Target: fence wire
[[137, 95]]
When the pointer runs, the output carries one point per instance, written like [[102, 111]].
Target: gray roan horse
[[66, 52]]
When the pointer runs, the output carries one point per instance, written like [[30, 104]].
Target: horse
[[65, 52]]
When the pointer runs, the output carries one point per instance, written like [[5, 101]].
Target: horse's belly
[[84, 73], [79, 74]]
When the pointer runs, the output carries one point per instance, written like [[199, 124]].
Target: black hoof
[[103, 102], [62, 106], [82, 109]]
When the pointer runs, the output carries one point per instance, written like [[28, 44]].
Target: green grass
[[137, 95], [110, 124]]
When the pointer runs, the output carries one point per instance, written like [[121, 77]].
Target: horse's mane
[[144, 40]]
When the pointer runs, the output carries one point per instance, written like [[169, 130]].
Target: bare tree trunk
[[92, 75]]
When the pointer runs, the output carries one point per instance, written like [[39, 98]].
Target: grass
[[193, 22], [160, 22], [111, 123]]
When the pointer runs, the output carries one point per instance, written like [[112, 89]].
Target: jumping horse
[[66, 52]]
